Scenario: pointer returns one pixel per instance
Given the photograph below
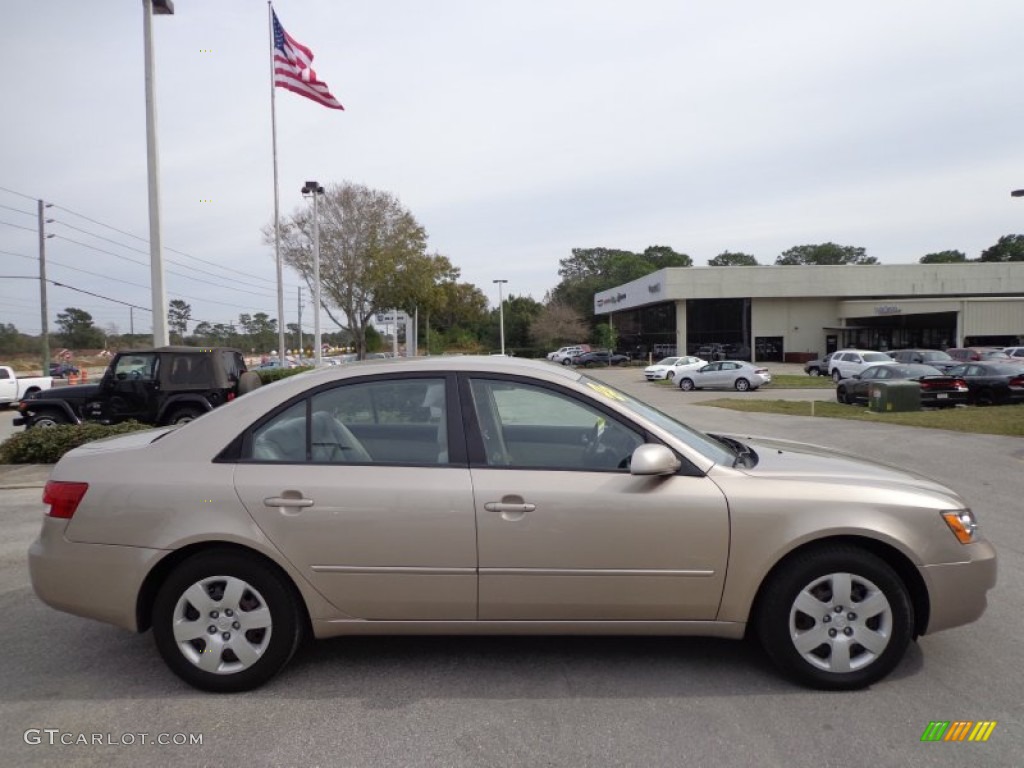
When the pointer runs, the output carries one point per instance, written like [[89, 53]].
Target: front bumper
[[97, 581], [957, 591]]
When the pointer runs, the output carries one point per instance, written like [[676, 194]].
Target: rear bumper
[[97, 581], [957, 591]]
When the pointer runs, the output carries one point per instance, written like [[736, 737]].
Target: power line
[[18, 210], [19, 194], [264, 290], [172, 250], [18, 226]]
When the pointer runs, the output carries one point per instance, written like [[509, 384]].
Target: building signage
[[888, 309], [613, 299]]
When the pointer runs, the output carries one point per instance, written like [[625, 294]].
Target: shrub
[[275, 374], [45, 445]]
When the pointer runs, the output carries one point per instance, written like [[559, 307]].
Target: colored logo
[[958, 730]]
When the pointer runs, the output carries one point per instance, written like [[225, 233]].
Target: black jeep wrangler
[[167, 385]]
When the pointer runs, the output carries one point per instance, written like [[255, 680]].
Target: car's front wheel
[[686, 384], [813, 371], [835, 618], [224, 621], [837, 376]]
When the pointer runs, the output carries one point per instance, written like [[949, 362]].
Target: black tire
[[567, 361], [742, 385], [814, 371], [841, 396], [986, 397], [788, 624], [248, 381], [46, 419], [184, 415], [686, 385], [837, 376], [253, 586]]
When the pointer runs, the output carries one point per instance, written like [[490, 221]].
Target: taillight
[[960, 384], [1017, 381], [63, 498]]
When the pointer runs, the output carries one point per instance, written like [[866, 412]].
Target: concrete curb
[[17, 476]]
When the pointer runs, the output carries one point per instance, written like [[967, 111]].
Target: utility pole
[[45, 350], [300, 320]]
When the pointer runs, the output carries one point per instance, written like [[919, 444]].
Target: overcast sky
[[513, 131]]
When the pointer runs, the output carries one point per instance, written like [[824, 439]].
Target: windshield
[[936, 355], [876, 357], [717, 451]]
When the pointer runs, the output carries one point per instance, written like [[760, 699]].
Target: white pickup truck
[[13, 389]]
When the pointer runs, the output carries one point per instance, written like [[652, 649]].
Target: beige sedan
[[490, 496]]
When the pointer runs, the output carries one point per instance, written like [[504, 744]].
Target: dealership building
[[794, 313]]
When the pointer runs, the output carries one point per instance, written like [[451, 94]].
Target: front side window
[[526, 426]]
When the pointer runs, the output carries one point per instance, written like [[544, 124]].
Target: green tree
[[825, 253], [944, 257], [1009, 248], [178, 315], [77, 330], [519, 312], [606, 337], [372, 255], [259, 332], [590, 270], [732, 259]]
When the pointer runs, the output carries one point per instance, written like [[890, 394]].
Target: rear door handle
[[287, 501], [501, 506]]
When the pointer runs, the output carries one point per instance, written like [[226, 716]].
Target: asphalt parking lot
[[538, 701]]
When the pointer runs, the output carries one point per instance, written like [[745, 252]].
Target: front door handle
[[500, 506]]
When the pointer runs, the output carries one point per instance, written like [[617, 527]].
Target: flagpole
[[277, 214]]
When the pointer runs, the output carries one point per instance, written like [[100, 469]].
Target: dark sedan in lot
[[938, 389], [588, 359], [992, 383]]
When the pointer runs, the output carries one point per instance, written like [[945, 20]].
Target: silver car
[[495, 495], [725, 374]]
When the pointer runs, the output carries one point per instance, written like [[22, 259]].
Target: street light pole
[[314, 189], [156, 253], [501, 313]]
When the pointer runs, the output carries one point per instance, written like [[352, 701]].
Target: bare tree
[[372, 255], [558, 323]]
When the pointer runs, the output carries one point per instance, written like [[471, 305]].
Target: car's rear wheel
[[742, 385], [224, 621], [837, 376], [686, 384], [986, 397], [813, 371], [835, 618], [49, 419], [567, 361], [842, 396]]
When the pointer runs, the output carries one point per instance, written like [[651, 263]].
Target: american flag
[[292, 68]]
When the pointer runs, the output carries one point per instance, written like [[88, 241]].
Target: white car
[[847, 363], [566, 354], [725, 374], [1017, 353], [670, 366]]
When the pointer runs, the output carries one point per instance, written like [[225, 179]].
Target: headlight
[[962, 523]]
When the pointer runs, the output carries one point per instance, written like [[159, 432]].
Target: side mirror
[[855, 376], [651, 459]]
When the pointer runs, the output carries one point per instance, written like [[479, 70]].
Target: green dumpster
[[892, 396]]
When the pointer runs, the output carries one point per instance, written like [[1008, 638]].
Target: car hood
[[788, 460], [72, 392]]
